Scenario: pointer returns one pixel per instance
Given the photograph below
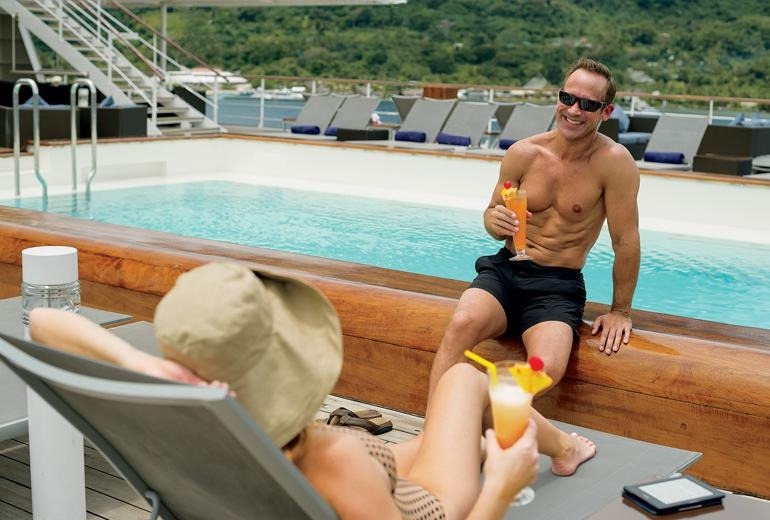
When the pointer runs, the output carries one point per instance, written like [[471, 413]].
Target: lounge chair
[[466, 124], [423, 124], [316, 114], [192, 452], [674, 142], [525, 121], [354, 114]]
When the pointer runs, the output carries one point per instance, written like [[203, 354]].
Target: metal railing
[[36, 138], [74, 132]]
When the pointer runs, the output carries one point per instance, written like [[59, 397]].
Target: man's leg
[[478, 316], [551, 341]]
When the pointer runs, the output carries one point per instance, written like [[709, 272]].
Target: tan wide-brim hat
[[275, 340]]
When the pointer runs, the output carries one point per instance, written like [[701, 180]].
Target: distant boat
[[284, 93]]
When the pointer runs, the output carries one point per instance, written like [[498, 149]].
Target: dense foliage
[[716, 47]]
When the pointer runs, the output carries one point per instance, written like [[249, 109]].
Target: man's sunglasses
[[589, 105]]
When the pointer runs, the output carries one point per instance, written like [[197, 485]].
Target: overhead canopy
[[249, 3]]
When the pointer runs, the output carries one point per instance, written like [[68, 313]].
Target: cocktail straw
[[491, 368]]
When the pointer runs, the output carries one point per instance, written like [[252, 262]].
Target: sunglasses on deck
[[589, 105]]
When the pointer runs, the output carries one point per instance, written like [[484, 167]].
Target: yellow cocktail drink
[[511, 405], [510, 411]]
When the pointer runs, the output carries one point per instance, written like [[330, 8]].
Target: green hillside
[[716, 47]]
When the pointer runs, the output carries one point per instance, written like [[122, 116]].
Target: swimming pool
[[681, 275]]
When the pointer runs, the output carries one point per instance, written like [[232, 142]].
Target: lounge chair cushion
[[410, 135], [305, 129], [634, 137], [506, 143], [331, 131], [456, 140], [664, 157]]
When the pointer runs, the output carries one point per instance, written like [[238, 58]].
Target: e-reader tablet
[[674, 494]]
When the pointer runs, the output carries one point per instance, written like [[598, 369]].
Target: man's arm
[[620, 194]]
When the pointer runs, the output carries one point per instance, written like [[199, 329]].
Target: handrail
[[36, 137], [82, 82], [168, 40]]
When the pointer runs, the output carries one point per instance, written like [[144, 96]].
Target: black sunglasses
[[589, 105]]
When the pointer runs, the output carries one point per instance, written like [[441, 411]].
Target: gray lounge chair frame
[[675, 133], [428, 115], [192, 452], [319, 110], [527, 120], [355, 112], [470, 119]]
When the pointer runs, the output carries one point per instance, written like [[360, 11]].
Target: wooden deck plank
[[9, 512]]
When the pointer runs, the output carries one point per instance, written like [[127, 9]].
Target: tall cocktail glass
[[518, 204], [511, 407]]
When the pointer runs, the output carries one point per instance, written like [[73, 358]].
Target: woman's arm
[[73, 333], [506, 473]]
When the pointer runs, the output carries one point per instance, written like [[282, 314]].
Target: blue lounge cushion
[[664, 157], [634, 138], [331, 131], [455, 140], [305, 129], [506, 143], [413, 136], [107, 102]]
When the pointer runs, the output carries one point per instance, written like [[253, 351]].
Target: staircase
[[121, 63]]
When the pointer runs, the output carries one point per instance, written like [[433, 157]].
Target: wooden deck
[[109, 497]]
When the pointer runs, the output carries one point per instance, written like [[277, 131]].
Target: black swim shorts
[[530, 293]]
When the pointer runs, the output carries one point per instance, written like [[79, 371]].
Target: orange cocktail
[[518, 204], [511, 405]]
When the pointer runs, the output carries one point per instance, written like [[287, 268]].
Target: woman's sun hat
[[275, 340]]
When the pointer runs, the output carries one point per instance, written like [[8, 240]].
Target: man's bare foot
[[581, 450]]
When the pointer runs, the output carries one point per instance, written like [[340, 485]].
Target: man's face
[[572, 121]]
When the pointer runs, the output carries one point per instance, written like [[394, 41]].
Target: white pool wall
[[724, 210]]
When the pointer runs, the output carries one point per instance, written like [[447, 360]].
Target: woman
[[277, 343]]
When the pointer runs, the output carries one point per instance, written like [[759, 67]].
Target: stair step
[[162, 121], [200, 130]]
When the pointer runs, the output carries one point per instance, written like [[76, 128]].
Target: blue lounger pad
[[410, 135], [456, 140], [506, 143], [305, 129], [664, 157], [331, 131]]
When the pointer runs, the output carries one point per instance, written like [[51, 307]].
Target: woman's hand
[[513, 468]]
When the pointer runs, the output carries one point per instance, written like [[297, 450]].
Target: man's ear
[[607, 112]]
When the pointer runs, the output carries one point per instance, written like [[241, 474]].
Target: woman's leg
[[447, 458]]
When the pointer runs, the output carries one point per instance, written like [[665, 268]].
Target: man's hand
[[616, 328], [503, 222]]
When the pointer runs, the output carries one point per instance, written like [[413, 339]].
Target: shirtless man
[[575, 177]]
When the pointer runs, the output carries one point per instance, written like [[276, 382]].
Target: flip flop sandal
[[339, 413], [374, 426]]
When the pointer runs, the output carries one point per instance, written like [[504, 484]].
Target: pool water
[[680, 275]]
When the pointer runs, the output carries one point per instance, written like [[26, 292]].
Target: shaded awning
[[250, 3]]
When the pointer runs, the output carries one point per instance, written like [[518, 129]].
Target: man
[[574, 177]]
